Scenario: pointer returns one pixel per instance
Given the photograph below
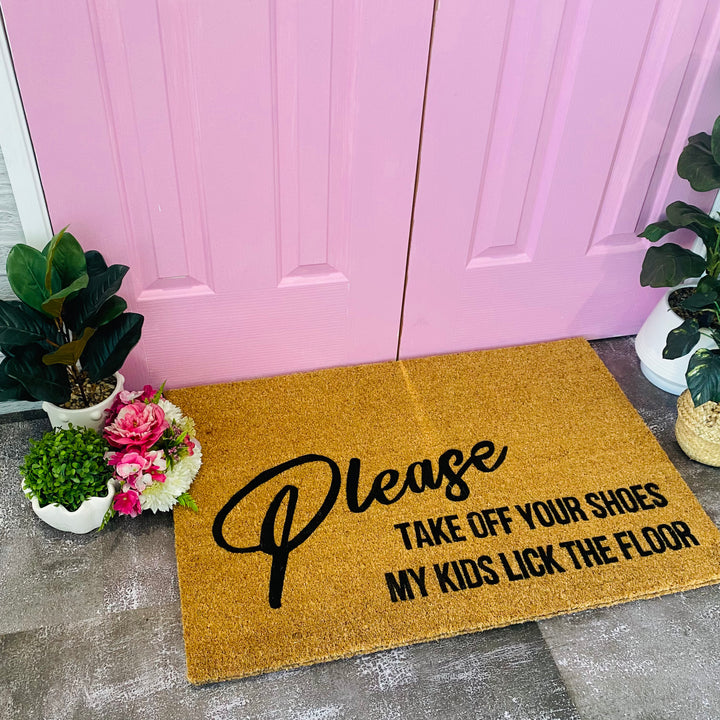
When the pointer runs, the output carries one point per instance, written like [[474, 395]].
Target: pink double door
[[305, 184]]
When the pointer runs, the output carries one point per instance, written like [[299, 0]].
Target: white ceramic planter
[[87, 517], [91, 417], [668, 375]]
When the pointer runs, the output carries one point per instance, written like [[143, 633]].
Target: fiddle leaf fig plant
[[670, 264], [67, 327]]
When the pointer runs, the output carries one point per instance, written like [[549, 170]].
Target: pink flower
[[190, 444], [139, 469], [124, 397], [138, 424], [148, 392], [128, 463], [127, 503]]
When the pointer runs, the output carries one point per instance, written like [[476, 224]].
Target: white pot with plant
[[67, 335], [68, 480], [694, 337], [687, 318]]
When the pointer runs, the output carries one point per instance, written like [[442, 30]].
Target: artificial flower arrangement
[[155, 454]]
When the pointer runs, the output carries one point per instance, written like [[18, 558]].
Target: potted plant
[[685, 326], [68, 480], [67, 335]]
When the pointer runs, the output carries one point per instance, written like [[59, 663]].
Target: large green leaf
[[100, 288], [53, 306], [20, 325], [110, 345], [715, 140], [699, 301], [657, 231], [704, 296], [42, 382], [703, 376], [69, 353], [682, 340], [26, 275], [66, 257], [111, 309], [10, 388], [681, 214], [95, 262], [697, 165], [669, 265]]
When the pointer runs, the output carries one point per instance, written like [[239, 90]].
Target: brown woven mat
[[354, 509]]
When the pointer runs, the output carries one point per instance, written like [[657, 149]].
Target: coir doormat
[[354, 509]]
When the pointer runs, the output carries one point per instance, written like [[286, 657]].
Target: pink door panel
[[253, 162], [550, 139]]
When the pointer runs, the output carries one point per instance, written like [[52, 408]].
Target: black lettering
[[569, 547], [400, 588], [505, 519], [627, 500], [559, 511], [593, 501], [443, 577], [528, 554], [437, 532], [490, 577], [526, 514], [472, 518], [543, 514], [474, 579], [445, 470], [684, 533], [641, 497], [574, 508], [546, 556], [611, 503], [623, 544], [604, 549], [427, 477], [403, 528], [379, 489], [654, 491], [422, 537], [419, 578], [669, 537], [279, 552], [653, 539], [452, 521], [511, 574], [458, 575], [351, 488], [642, 552]]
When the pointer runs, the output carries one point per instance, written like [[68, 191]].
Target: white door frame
[[19, 156]]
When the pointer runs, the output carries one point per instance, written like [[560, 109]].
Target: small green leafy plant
[[67, 327], [67, 467], [670, 264]]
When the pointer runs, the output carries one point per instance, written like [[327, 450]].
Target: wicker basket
[[698, 430]]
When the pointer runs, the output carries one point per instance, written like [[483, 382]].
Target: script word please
[[386, 489]]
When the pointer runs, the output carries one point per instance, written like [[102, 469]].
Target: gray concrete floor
[[90, 628]]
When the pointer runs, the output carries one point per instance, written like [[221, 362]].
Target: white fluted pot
[[92, 417], [668, 375], [87, 517]]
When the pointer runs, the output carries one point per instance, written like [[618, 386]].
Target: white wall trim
[[19, 155]]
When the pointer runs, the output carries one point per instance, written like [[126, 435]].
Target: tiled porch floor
[[90, 628]]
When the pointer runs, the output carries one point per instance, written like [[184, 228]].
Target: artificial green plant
[[66, 467], [670, 264], [67, 323]]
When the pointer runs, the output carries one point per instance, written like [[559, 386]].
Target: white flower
[[161, 496], [172, 412]]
